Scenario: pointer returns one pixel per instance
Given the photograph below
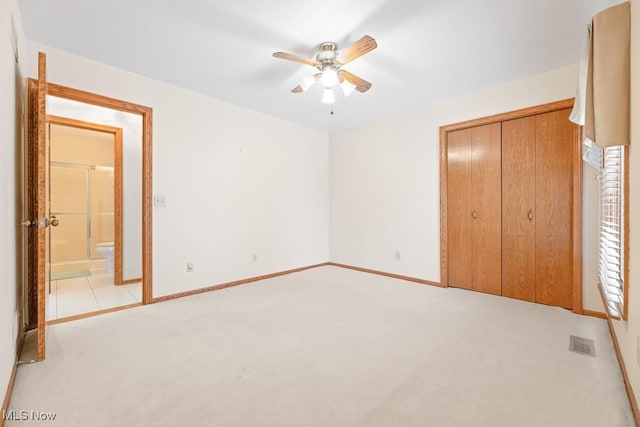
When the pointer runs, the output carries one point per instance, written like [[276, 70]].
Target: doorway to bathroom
[[37, 223], [86, 197]]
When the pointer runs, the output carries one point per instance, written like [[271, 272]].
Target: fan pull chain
[[331, 110]]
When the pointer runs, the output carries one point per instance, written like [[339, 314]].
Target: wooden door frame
[[147, 171], [35, 249], [576, 184], [117, 182], [35, 288]]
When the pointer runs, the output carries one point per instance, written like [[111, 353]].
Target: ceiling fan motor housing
[[327, 56]]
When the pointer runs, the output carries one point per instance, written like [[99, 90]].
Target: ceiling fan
[[329, 62]]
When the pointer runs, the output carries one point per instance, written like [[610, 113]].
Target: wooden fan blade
[[365, 45], [361, 84], [295, 58]]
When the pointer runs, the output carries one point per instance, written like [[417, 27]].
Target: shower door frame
[[117, 182]]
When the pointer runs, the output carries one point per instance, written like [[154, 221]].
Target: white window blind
[[611, 246]]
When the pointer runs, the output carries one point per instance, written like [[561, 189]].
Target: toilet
[[106, 251]]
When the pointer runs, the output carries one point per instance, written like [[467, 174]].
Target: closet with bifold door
[[537, 208], [511, 202], [474, 208]]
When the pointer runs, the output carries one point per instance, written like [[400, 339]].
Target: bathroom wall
[[82, 146], [78, 178]]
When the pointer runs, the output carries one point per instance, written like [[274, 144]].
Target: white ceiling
[[428, 50]]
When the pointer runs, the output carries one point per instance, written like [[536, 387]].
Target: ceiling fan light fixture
[[307, 82], [329, 77], [328, 97], [347, 87], [329, 62]]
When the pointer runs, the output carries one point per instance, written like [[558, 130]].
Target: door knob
[[27, 223], [474, 215], [54, 222]]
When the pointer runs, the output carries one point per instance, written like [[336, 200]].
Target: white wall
[[11, 89], [236, 182], [627, 332], [131, 125], [385, 191]]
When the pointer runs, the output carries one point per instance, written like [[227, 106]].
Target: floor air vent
[[582, 346]]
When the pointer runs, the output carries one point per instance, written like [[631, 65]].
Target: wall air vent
[[582, 346]]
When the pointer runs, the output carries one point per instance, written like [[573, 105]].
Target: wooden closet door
[[518, 208], [459, 208], [554, 209], [486, 172]]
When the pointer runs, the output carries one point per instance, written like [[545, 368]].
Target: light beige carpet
[[328, 347]]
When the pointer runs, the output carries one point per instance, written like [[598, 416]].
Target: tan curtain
[[608, 87]]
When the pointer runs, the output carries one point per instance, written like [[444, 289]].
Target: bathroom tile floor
[[70, 297]]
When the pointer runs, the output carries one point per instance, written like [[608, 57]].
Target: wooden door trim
[[577, 188], [625, 277], [444, 174], [577, 220], [517, 114], [93, 314], [41, 182], [31, 302], [147, 170], [117, 182]]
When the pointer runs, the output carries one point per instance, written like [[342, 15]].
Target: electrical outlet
[[189, 266], [398, 256], [159, 201], [254, 257]]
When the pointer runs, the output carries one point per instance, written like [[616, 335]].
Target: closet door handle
[[474, 215], [530, 215]]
